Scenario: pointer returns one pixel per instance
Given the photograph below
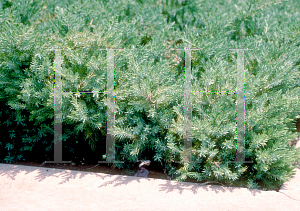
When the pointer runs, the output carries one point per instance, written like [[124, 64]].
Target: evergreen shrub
[[149, 83]]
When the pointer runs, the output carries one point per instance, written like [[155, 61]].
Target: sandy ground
[[38, 188]]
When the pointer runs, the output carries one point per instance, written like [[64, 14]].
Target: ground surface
[[41, 188], [101, 168]]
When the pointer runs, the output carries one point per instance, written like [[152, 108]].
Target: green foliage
[[182, 13], [6, 4], [149, 86]]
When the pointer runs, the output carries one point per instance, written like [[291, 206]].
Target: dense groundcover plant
[[149, 83]]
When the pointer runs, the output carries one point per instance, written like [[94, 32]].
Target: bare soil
[[99, 168]]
